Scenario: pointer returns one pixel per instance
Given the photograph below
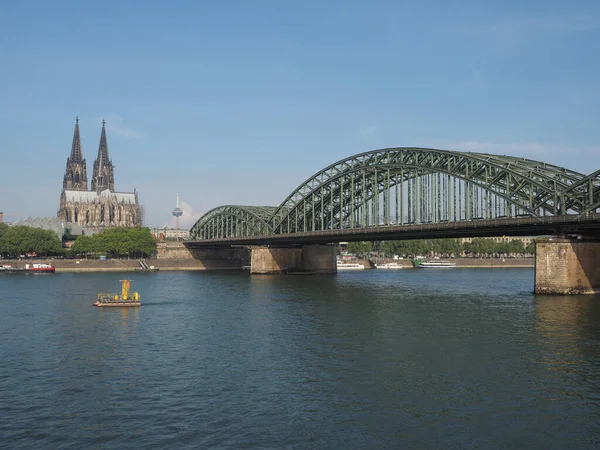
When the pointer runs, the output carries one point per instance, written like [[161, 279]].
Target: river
[[455, 358]]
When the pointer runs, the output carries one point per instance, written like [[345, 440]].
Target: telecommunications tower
[[177, 213]]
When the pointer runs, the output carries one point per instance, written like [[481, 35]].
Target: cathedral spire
[[103, 176], [103, 147], [75, 174], [76, 154]]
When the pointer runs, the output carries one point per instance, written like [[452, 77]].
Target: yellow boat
[[125, 299]]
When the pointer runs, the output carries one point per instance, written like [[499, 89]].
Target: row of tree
[[117, 242], [445, 247], [19, 240], [16, 241]]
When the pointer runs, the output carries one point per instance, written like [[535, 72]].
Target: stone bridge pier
[[222, 258], [567, 266], [320, 259]]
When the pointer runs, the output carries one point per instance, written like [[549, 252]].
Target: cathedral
[[101, 206]]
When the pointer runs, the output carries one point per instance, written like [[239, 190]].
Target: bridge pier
[[567, 266], [221, 258], [320, 259]]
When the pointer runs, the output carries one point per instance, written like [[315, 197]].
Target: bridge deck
[[588, 225]]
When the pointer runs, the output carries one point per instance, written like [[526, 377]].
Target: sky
[[239, 102]]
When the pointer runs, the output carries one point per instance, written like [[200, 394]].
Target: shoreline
[[464, 263], [191, 265]]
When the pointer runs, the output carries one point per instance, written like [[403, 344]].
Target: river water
[[464, 358]]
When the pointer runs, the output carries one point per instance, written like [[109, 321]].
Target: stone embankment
[[132, 265], [112, 265], [467, 263]]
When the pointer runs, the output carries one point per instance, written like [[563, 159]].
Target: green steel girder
[[414, 156], [233, 220], [584, 195], [433, 183], [542, 177]]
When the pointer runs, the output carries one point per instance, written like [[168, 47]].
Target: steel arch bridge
[[407, 186]]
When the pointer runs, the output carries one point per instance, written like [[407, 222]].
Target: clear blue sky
[[238, 102]]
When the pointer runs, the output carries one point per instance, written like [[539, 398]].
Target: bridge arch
[[417, 185], [411, 185], [233, 220]]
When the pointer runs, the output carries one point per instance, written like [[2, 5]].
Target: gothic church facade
[[100, 207]]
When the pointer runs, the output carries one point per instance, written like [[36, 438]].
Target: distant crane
[[177, 213]]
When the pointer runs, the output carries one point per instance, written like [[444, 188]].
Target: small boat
[[40, 268], [125, 299], [7, 268], [388, 266], [349, 266], [436, 265]]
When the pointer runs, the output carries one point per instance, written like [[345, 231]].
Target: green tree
[[360, 248], [117, 242], [19, 240], [3, 228], [516, 246], [530, 248], [83, 245]]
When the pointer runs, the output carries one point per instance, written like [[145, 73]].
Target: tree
[[117, 242], [360, 248], [530, 248], [3, 228], [516, 246], [19, 240], [83, 245]]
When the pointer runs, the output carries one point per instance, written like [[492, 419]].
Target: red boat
[[41, 268]]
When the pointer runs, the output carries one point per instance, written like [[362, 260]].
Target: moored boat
[[436, 265], [40, 268], [349, 266], [392, 265], [125, 299]]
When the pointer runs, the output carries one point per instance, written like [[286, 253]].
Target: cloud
[[536, 25], [513, 31], [188, 218], [498, 148], [115, 124], [528, 149], [367, 131]]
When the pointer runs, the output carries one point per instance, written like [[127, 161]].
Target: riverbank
[[132, 265], [113, 265], [464, 263]]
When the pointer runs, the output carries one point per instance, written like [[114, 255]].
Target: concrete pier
[[567, 266], [319, 259], [221, 258]]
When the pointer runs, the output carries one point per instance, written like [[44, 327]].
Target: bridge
[[408, 193]]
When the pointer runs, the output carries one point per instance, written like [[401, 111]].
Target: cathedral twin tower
[[101, 206]]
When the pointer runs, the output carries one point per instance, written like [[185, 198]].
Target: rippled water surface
[[374, 359]]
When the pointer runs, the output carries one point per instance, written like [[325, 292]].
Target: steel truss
[[399, 186], [232, 220]]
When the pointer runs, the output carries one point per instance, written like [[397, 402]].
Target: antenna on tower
[[177, 213]]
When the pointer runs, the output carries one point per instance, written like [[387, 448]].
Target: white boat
[[388, 266], [437, 265], [349, 266]]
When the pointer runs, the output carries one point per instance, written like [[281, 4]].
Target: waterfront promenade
[[131, 265]]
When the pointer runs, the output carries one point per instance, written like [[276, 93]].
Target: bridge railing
[[533, 225]]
